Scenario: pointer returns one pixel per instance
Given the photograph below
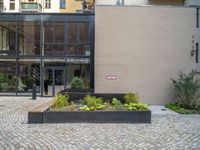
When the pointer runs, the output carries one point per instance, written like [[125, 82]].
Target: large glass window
[[29, 73], [72, 32], [7, 38], [8, 77], [84, 32], [78, 70], [78, 39], [29, 38], [54, 38]]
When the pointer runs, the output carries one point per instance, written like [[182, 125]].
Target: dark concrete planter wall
[[76, 95], [92, 117]]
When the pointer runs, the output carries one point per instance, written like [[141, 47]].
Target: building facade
[[130, 49], [46, 6], [136, 51], [46, 49]]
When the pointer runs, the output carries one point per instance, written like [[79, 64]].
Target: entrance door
[[53, 80]]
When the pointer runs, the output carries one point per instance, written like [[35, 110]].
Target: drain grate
[[163, 109]]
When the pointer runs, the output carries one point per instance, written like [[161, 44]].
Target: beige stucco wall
[[143, 47]]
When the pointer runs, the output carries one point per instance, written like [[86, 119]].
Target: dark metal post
[[34, 92]]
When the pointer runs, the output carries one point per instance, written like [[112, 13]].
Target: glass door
[[53, 81]]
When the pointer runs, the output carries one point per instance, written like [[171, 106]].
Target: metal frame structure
[[47, 17]]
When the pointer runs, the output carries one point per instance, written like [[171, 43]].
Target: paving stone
[[168, 131]]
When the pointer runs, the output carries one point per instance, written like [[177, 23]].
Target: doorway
[[54, 80]]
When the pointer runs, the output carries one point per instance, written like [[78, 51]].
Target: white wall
[[6, 4], [55, 7]]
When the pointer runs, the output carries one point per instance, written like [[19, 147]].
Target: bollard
[[34, 92]]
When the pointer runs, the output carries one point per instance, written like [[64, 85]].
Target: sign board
[[78, 60], [111, 77]]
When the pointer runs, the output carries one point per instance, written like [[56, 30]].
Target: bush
[[137, 106], [60, 101], [131, 98], [187, 91], [3, 82], [93, 103], [117, 104], [177, 108], [77, 83]]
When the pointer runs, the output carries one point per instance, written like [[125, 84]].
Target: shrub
[[3, 82], [117, 104], [137, 106], [92, 103], [177, 108], [60, 101], [77, 83], [187, 91], [131, 98]]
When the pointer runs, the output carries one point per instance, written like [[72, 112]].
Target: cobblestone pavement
[[167, 132]]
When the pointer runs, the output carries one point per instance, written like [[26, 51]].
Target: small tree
[[187, 91]]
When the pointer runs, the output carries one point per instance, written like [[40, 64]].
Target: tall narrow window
[[197, 52], [12, 4], [62, 3], [47, 3]]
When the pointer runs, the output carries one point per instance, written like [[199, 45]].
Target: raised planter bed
[[97, 117], [41, 114], [89, 117]]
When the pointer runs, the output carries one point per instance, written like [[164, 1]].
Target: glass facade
[[45, 50]]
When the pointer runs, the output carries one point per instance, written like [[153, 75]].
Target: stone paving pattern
[[167, 132]]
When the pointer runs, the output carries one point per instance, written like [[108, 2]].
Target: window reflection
[[7, 38], [29, 38], [82, 50], [7, 76]]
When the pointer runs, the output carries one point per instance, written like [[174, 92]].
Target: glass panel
[[72, 32], [54, 32], [7, 38], [82, 71], [54, 50], [59, 32], [48, 82], [81, 50], [29, 38], [84, 32], [8, 77], [29, 73], [59, 80], [48, 32]]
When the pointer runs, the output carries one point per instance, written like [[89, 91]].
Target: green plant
[[137, 106], [77, 83], [177, 108], [3, 82], [60, 101], [187, 91], [131, 98], [117, 104], [92, 103]]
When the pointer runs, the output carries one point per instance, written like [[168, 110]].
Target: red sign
[[111, 77]]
